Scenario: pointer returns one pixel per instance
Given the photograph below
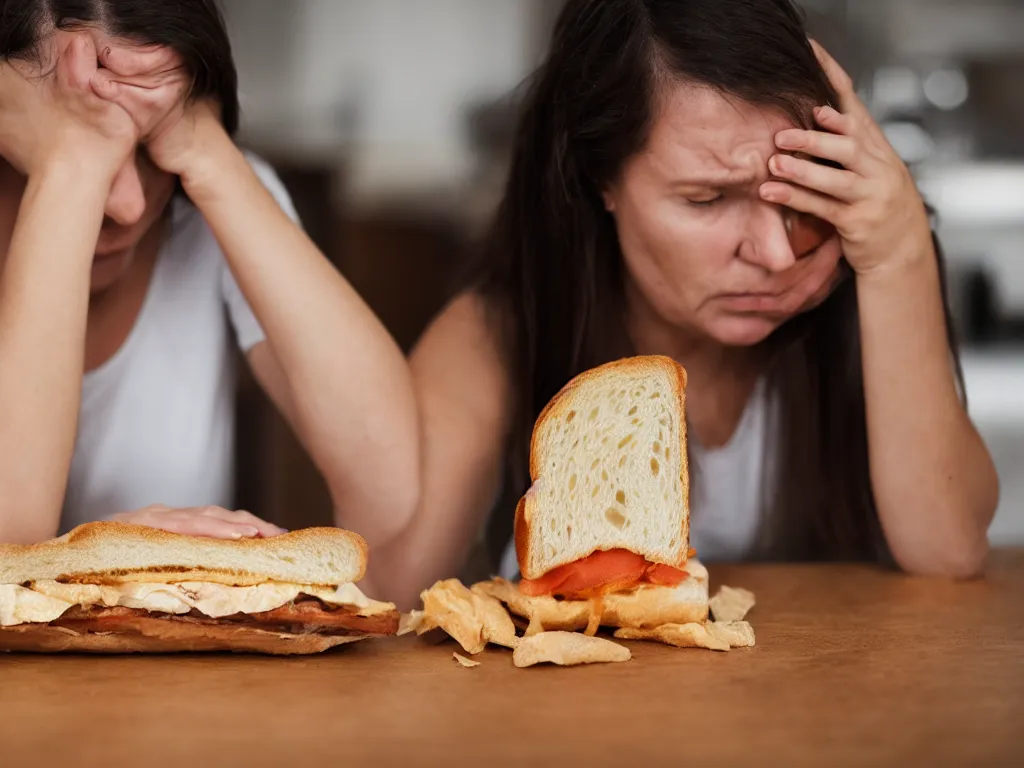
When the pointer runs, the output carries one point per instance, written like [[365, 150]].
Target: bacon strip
[[303, 616]]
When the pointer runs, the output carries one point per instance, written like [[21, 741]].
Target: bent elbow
[[381, 518], [959, 563], [969, 563], [387, 580]]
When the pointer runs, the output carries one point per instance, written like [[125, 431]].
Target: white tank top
[[726, 493], [156, 424], [725, 500]]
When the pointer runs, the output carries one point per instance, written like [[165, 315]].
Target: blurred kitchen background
[[390, 121]]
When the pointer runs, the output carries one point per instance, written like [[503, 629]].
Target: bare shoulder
[[460, 355], [464, 325]]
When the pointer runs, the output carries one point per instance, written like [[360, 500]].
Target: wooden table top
[[853, 666]]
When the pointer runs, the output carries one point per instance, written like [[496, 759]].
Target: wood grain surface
[[853, 666]]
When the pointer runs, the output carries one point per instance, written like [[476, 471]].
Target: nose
[[126, 201], [768, 243]]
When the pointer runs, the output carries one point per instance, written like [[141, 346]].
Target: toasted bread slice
[[114, 553], [609, 471]]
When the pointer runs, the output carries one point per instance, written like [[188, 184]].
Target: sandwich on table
[[116, 588], [602, 534]]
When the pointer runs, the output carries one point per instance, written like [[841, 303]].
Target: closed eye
[[707, 202]]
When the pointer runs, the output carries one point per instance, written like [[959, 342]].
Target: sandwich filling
[[601, 573], [278, 606]]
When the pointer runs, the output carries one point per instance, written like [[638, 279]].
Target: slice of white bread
[[645, 607], [608, 467], [113, 553]]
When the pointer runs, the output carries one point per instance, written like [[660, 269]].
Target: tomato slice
[[601, 573]]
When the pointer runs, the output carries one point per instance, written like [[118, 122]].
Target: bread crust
[[74, 557], [521, 529]]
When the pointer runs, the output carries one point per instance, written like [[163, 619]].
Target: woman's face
[[137, 200], [701, 248]]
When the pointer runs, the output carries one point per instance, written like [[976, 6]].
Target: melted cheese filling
[[45, 601]]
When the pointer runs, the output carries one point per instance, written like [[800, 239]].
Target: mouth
[[750, 295], [753, 302]]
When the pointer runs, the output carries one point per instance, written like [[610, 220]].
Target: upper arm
[[463, 399], [247, 327], [270, 376], [259, 355]]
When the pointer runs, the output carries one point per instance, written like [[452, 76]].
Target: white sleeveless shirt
[[726, 494], [156, 423]]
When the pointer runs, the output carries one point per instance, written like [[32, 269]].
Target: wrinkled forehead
[[700, 130]]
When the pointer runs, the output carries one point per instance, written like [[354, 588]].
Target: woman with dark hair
[[693, 178], [138, 247]]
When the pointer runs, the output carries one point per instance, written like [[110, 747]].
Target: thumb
[[107, 88]]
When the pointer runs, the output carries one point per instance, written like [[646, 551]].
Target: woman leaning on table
[[694, 178], [138, 247]]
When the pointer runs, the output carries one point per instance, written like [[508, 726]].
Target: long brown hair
[[551, 269]]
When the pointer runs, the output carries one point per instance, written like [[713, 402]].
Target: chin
[[743, 330], [107, 271]]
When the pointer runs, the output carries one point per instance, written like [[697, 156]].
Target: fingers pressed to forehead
[[129, 60], [76, 63]]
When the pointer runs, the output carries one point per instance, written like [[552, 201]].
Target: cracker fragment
[[567, 649], [738, 634], [680, 635], [472, 619], [731, 603], [463, 661], [410, 622], [535, 627]]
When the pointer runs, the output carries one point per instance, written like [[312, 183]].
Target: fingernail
[[777, 164], [790, 139], [771, 194]]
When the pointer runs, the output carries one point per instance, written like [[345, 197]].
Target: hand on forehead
[[118, 54], [128, 59]]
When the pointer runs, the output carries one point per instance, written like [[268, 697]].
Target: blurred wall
[[382, 85]]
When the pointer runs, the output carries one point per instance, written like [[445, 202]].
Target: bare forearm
[[424, 553], [462, 453], [348, 380], [933, 480], [43, 309]]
